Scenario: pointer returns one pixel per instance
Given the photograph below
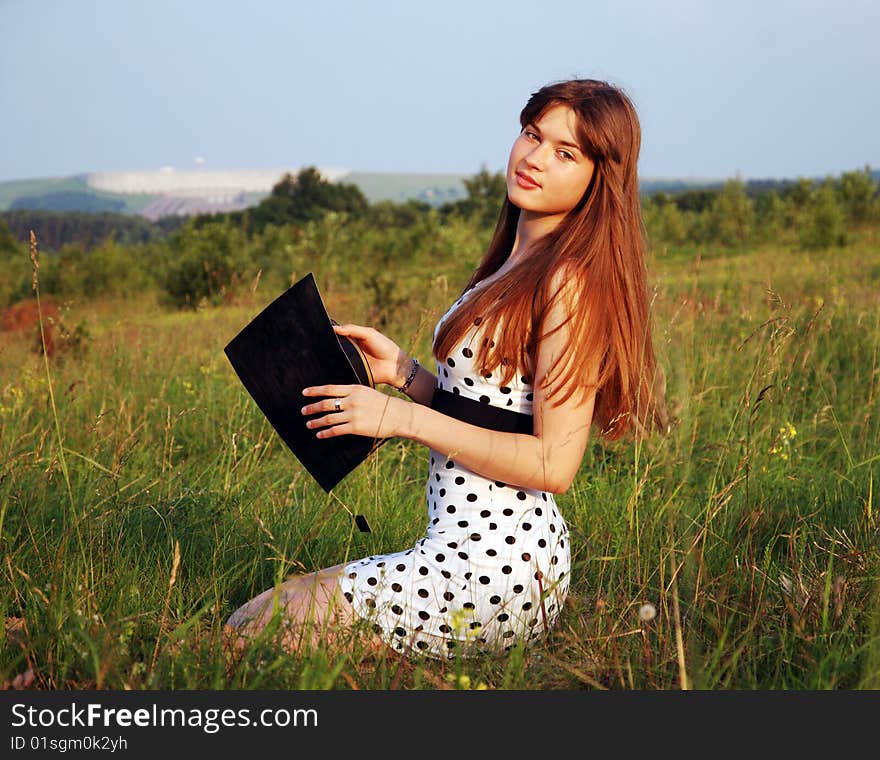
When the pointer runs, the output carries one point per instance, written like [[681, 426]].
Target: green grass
[[751, 527]]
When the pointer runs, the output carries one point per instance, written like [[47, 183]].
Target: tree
[[485, 195], [306, 197], [732, 216], [824, 228], [856, 191]]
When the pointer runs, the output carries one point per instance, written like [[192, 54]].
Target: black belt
[[482, 414]]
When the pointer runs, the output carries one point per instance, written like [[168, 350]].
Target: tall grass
[[143, 497]]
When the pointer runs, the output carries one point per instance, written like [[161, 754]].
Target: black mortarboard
[[291, 345]]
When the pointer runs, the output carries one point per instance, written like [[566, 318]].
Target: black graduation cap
[[291, 345]]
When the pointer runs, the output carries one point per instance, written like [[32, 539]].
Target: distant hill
[[166, 192]]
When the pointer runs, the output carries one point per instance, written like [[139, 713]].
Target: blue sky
[[760, 89]]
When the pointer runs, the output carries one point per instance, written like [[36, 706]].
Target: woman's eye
[[531, 135], [566, 155]]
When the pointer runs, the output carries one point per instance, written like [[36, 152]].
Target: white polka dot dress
[[493, 566]]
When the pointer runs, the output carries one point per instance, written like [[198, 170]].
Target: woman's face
[[547, 173]]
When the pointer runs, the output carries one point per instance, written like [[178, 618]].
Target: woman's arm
[[548, 460]]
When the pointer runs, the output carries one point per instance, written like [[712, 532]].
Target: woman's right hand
[[388, 362]]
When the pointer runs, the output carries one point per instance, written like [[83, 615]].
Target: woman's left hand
[[353, 410]]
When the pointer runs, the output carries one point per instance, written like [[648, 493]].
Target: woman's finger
[[326, 405], [336, 418], [355, 331], [328, 390], [331, 432]]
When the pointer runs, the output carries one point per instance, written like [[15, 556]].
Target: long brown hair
[[599, 248]]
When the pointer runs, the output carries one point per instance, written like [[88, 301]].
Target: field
[[143, 497]]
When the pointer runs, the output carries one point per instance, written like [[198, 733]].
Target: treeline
[[803, 213], [85, 229], [386, 249]]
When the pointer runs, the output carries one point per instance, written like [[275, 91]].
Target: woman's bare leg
[[313, 609]]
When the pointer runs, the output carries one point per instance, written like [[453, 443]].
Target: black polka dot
[[495, 599], [526, 556], [467, 352], [472, 497], [424, 615], [440, 557], [504, 389], [507, 512], [455, 390], [444, 628], [451, 509], [527, 606], [517, 589], [542, 543], [396, 587], [539, 511], [509, 540], [450, 361], [445, 372], [478, 321], [527, 526], [521, 495], [485, 513], [400, 631], [422, 644], [500, 484], [484, 579], [423, 592], [468, 605], [463, 555], [397, 609], [348, 595], [462, 523], [493, 526], [459, 480], [448, 596], [450, 464], [442, 492], [484, 399], [468, 382], [475, 536], [507, 569], [503, 616], [371, 581], [453, 545], [423, 570], [491, 552]]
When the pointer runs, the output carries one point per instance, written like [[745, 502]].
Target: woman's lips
[[525, 181]]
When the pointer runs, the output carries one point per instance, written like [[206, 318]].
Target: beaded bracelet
[[412, 375]]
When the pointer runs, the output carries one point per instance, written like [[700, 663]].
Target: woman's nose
[[535, 158]]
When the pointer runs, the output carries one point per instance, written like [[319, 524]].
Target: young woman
[[550, 337]]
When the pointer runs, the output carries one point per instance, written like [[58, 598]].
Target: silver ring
[[337, 404]]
